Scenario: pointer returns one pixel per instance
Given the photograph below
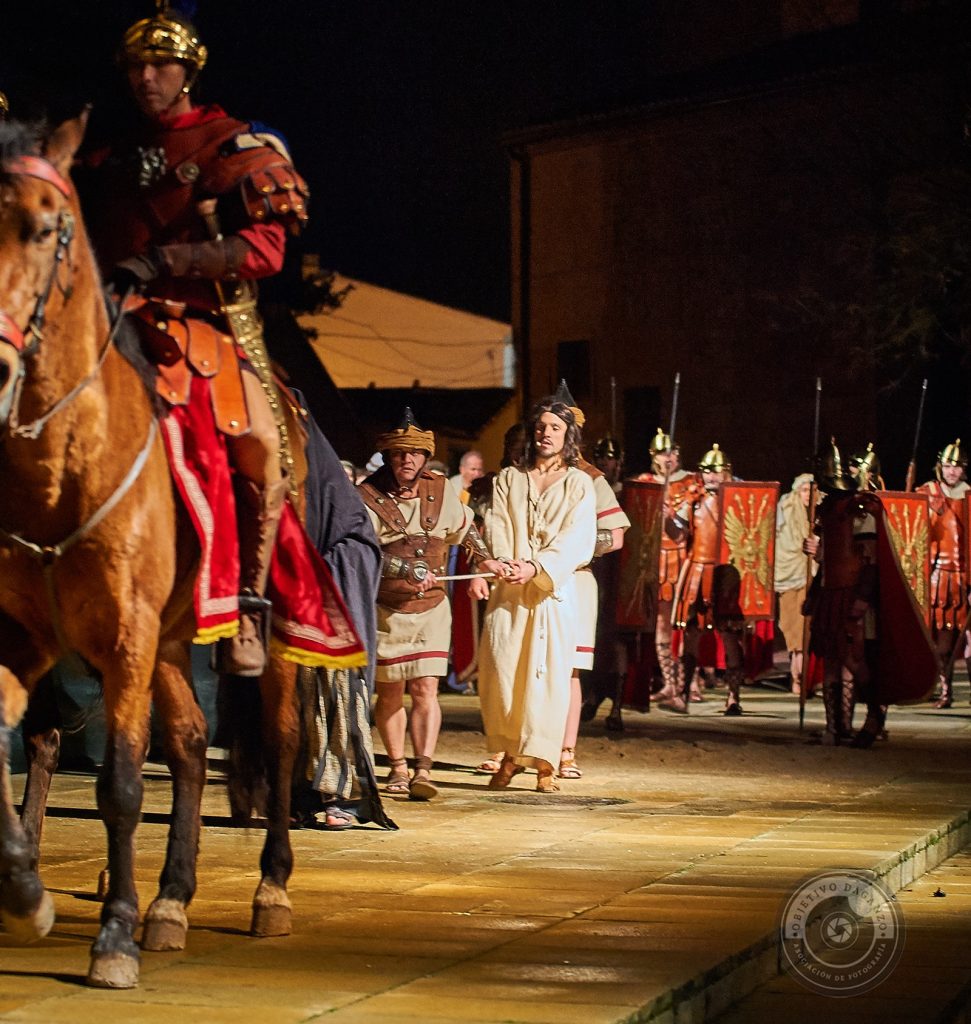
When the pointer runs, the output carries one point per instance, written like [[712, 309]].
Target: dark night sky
[[394, 110]]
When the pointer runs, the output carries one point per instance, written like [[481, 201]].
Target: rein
[[47, 555]]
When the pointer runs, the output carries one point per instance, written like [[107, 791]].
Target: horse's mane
[[20, 139], [129, 344]]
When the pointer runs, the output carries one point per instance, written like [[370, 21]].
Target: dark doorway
[[642, 410]]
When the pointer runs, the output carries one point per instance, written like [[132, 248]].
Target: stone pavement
[[649, 890]]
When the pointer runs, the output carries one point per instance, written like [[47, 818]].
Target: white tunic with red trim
[[610, 516], [415, 644]]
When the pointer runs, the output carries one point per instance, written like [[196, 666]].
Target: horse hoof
[[113, 970], [271, 911], [102, 892], [33, 927], [165, 927]]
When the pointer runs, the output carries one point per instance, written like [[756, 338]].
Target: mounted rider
[[190, 209]]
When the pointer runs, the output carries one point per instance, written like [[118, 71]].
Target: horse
[[98, 558]]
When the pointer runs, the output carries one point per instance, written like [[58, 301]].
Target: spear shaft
[[912, 467]]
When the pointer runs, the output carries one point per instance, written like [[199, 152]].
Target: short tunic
[[610, 516], [416, 644]]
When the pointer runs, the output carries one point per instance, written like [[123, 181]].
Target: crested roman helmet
[[608, 447], [828, 470], [954, 454], [661, 443], [867, 466], [715, 461], [167, 35]]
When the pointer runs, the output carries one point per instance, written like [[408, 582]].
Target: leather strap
[[37, 167], [10, 332]]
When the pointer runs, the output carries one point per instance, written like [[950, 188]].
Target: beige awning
[[384, 339]]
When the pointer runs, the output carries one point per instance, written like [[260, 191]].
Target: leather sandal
[[569, 769], [546, 781], [397, 783], [490, 766], [336, 819], [421, 786], [507, 771]]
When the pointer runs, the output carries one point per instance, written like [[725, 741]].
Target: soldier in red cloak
[[190, 209], [948, 495], [866, 625]]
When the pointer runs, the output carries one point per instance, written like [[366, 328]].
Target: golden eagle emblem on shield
[[909, 529], [748, 542]]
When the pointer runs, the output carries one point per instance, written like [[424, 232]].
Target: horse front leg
[[42, 744], [26, 908], [114, 954], [280, 732], [186, 737]]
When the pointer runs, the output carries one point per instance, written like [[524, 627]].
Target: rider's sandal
[[421, 786], [397, 783], [569, 769]]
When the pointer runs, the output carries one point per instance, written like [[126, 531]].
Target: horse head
[[38, 213]]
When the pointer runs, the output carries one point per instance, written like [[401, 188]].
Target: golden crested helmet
[[828, 470], [867, 466], [168, 35], [661, 443], [715, 461], [4, 106], [955, 454]]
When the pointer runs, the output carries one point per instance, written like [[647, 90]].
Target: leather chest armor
[[414, 551]]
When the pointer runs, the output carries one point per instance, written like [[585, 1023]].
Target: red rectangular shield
[[746, 539], [640, 557], [908, 523]]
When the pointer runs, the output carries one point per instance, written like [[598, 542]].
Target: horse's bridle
[[47, 555], [27, 341]]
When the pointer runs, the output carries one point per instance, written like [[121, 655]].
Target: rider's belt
[[183, 347]]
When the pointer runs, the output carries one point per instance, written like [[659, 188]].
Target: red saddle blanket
[[310, 622]]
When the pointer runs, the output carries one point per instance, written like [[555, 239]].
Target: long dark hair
[[571, 445]]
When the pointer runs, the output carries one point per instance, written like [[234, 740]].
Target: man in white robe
[[542, 524]]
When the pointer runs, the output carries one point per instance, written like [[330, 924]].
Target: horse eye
[[43, 234]]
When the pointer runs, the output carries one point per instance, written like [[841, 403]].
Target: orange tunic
[[949, 578], [698, 573], [682, 487]]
